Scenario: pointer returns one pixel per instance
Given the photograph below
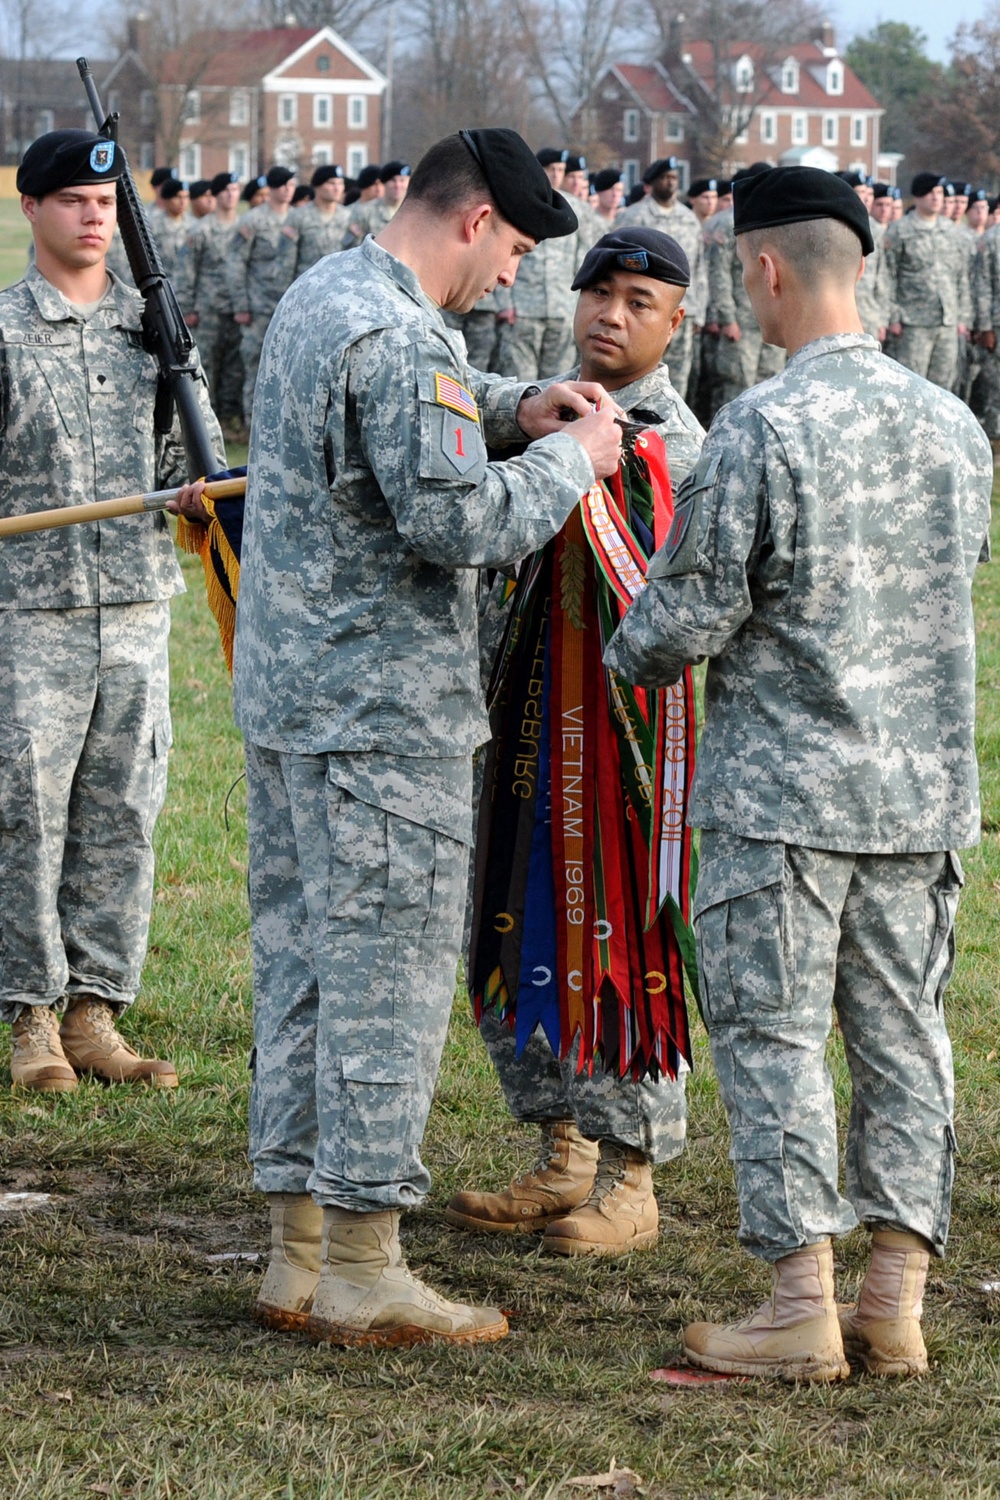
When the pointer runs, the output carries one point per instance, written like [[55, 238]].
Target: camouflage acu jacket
[[370, 506], [834, 522], [76, 424]]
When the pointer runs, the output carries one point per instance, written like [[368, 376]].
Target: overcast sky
[[937, 19]]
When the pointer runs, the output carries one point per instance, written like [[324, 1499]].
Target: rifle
[[166, 335]]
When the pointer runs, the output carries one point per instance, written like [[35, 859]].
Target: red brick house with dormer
[[798, 103]]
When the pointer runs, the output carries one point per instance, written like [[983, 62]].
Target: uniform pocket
[[378, 1093], [943, 897], [758, 1157], [745, 940], [162, 740], [18, 782]]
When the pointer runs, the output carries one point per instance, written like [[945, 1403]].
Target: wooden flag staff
[[103, 510]]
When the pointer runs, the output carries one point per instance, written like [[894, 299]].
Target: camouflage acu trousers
[[219, 345], [251, 345], [356, 924], [537, 348], [787, 935], [84, 737], [537, 1086], [930, 352]]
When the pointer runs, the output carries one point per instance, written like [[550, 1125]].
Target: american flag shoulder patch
[[448, 392]]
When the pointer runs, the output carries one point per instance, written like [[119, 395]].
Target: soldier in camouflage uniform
[[986, 315], [484, 328], [741, 355], [872, 291], [84, 619], [836, 774], [318, 228], [370, 217], [929, 285], [970, 230], [172, 226], [371, 507], [260, 267], [538, 340], [591, 1188], [203, 291], [661, 209]]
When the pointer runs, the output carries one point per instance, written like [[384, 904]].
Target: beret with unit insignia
[[66, 158], [649, 252]]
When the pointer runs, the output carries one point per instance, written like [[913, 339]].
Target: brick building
[[39, 95], [239, 101], [799, 104]]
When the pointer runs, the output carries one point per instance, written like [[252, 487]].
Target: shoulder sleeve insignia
[[448, 392]]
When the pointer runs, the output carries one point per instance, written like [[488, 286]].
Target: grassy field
[[129, 1364]]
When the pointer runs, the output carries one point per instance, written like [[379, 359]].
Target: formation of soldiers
[[930, 292]]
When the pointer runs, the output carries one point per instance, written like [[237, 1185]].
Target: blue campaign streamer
[[538, 986]]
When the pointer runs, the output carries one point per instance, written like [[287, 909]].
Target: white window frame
[[630, 171], [835, 78], [45, 120], [239, 107], [768, 127], [191, 110], [288, 109], [859, 130], [357, 158], [323, 111], [743, 76], [800, 128], [239, 159], [357, 115], [831, 130], [789, 76], [322, 154], [147, 107], [630, 125], [673, 128], [147, 156], [189, 165]]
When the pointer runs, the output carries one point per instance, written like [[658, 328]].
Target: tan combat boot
[[620, 1215], [560, 1180], [38, 1061], [883, 1330], [794, 1336], [366, 1295], [286, 1293], [93, 1045]]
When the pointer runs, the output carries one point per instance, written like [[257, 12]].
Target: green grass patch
[[129, 1364]]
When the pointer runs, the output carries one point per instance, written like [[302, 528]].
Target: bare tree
[[567, 45], [343, 16]]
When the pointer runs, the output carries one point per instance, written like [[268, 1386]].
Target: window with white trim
[[357, 116], [147, 107], [800, 128], [630, 169], [768, 127], [789, 76], [743, 76], [147, 156], [45, 121], [239, 160], [190, 162], [673, 128], [239, 107], [859, 130], [323, 110], [741, 120], [835, 78], [322, 156], [831, 130], [191, 114], [630, 125], [288, 109], [357, 157]]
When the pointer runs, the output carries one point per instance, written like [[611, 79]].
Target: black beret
[[648, 251], [635, 195], [303, 193], [853, 179], [657, 168], [221, 181], [548, 156], [949, 189], [199, 188], [394, 169], [976, 195], [606, 179], [253, 187], [162, 175], [924, 183], [703, 185], [324, 174], [517, 181], [368, 176], [279, 176], [63, 158], [880, 189], [994, 204], [172, 189], [725, 186], [794, 195], [963, 189], [576, 164]]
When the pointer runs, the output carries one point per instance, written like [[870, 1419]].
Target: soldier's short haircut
[[447, 178], [818, 249]]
